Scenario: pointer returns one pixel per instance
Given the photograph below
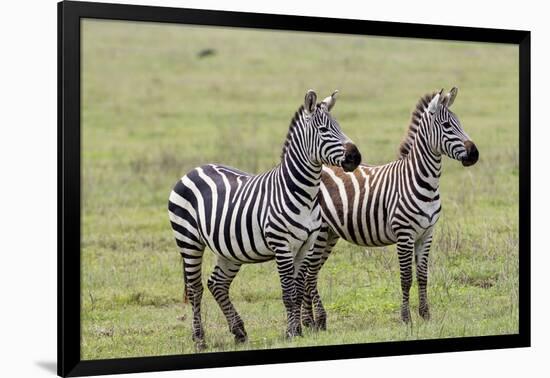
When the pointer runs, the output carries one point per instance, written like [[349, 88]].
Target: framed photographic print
[[239, 188]]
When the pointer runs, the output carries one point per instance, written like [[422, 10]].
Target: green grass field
[[152, 109]]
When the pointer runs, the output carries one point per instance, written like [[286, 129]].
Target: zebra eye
[[446, 125], [323, 129]]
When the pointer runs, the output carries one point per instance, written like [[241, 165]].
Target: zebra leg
[[312, 303], [320, 313], [405, 247], [422, 250], [191, 246], [218, 284], [192, 261], [301, 264], [308, 319], [285, 267], [312, 300], [299, 284]]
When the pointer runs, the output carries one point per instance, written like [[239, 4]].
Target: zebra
[[246, 218], [395, 203]]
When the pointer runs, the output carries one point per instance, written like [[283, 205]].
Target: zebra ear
[[434, 104], [451, 96], [330, 100], [310, 101]]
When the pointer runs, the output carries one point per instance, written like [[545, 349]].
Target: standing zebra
[[395, 203], [247, 218]]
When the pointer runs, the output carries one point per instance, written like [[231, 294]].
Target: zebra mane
[[291, 128], [421, 108]]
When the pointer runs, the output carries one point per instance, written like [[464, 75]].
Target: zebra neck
[[425, 165], [301, 175]]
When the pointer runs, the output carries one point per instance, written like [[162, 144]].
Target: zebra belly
[[368, 229], [384, 239], [234, 253], [364, 237]]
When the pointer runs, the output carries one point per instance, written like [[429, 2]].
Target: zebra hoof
[[424, 313], [240, 336], [321, 326], [406, 316], [290, 334], [308, 322], [200, 345]]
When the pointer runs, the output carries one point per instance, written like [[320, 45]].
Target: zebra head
[[329, 145], [449, 136]]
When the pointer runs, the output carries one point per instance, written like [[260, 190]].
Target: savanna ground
[[158, 100]]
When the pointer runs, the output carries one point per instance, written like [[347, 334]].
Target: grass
[[152, 109]]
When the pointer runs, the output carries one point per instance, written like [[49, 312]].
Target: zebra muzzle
[[352, 157], [472, 154]]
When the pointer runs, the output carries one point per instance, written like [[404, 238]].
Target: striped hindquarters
[[221, 208]]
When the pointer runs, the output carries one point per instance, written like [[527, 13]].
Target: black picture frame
[[69, 195]]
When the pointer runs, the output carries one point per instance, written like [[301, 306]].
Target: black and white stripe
[[396, 203], [247, 218]]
